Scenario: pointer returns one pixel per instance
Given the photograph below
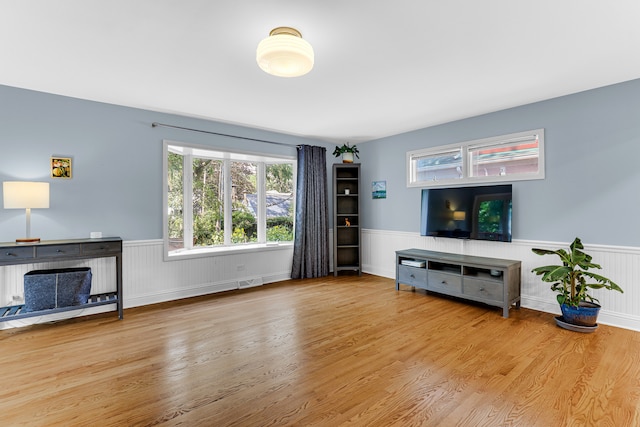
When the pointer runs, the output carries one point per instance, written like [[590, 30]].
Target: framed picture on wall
[[61, 167], [379, 189]]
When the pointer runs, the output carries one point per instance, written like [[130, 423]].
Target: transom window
[[218, 200], [517, 156]]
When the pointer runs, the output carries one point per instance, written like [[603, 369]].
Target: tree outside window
[[205, 187]]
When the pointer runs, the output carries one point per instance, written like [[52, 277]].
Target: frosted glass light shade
[[23, 195], [459, 215], [285, 53]]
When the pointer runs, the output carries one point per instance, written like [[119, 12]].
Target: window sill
[[204, 252]]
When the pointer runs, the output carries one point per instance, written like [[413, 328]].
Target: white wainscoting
[[620, 264], [147, 279]]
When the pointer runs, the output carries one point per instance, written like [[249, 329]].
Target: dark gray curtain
[[311, 242]]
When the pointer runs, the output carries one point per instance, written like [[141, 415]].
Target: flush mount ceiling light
[[285, 53]]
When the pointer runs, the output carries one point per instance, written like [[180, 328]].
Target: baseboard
[[10, 324], [605, 317], [202, 289], [378, 271]]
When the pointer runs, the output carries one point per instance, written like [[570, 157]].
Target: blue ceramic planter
[[586, 314]]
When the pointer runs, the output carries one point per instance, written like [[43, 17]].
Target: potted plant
[[572, 281], [347, 151]]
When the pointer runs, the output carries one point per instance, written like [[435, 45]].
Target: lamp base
[[28, 240]]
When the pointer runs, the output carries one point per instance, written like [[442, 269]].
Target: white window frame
[[262, 159], [466, 177]]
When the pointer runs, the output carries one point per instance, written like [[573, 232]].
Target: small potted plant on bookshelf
[[572, 281], [347, 152]]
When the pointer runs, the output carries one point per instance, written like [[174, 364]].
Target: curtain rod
[[156, 124]]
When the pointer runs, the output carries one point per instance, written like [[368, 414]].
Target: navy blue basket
[[63, 287]]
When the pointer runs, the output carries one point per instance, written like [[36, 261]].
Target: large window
[[219, 200], [512, 157]]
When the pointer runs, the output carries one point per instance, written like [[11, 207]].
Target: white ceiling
[[381, 67]]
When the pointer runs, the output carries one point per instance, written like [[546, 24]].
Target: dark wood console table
[[64, 250]]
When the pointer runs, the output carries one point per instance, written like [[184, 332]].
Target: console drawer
[[101, 248], [16, 253], [445, 282], [412, 276], [484, 289], [57, 251]]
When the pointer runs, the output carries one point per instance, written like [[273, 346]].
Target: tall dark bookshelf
[[347, 252]]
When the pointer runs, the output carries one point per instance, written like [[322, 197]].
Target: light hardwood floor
[[322, 352]]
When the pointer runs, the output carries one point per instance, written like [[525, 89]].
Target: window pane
[[175, 201], [208, 202], [216, 199], [512, 157], [279, 185], [516, 158], [244, 217], [441, 166]]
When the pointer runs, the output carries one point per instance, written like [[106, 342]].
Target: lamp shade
[[23, 195], [459, 215], [285, 53]]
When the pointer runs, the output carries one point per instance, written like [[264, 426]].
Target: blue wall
[[117, 162], [592, 185], [591, 190]]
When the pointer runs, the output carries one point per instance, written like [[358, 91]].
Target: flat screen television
[[481, 213]]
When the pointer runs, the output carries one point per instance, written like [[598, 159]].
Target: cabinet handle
[[10, 254], [481, 289], [59, 251], [444, 282], [412, 276]]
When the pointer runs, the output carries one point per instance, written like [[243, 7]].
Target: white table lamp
[[26, 195]]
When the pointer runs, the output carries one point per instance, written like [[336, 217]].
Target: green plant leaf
[[346, 148], [569, 280]]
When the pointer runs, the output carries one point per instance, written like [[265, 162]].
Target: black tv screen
[[482, 213]]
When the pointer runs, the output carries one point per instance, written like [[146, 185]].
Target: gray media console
[[492, 281]]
